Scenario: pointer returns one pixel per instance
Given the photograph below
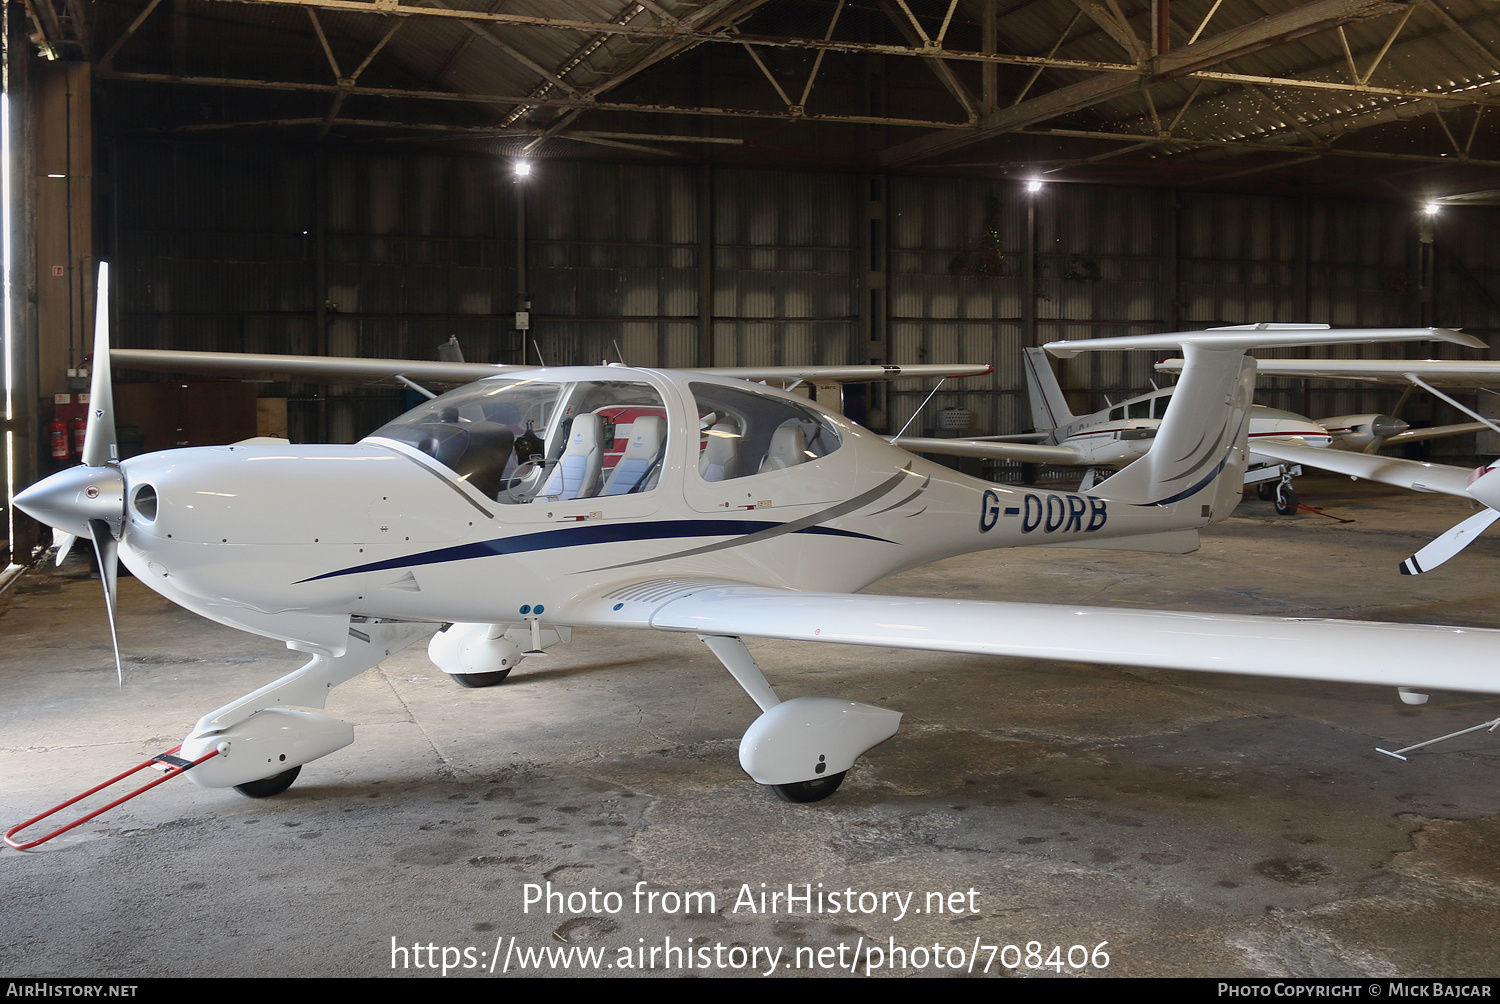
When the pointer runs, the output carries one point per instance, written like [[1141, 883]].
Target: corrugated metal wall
[[218, 247]]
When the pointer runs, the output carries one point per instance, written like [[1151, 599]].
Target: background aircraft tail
[[1049, 408]]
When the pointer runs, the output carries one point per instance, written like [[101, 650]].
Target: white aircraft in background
[[734, 510], [1414, 374], [1121, 433], [1480, 485]]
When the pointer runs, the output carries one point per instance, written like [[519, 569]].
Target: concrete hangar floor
[[1200, 825]]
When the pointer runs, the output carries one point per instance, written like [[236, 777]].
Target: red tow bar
[[169, 764]]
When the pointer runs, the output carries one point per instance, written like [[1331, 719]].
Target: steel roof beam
[[1268, 31], [1115, 25], [512, 99]]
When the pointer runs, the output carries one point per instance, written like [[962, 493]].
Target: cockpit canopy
[[515, 440]]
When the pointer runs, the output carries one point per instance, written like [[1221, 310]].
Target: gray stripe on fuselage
[[833, 512]]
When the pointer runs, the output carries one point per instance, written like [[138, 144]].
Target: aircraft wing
[[342, 368], [1460, 373], [1432, 432], [1448, 658], [311, 368], [1026, 453], [1413, 474]]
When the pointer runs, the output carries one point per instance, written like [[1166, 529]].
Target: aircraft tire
[[1266, 491], [268, 786], [475, 681], [815, 790], [1286, 502]]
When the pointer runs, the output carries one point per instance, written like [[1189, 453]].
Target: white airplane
[[1121, 433], [1480, 485], [1368, 433], [734, 510]]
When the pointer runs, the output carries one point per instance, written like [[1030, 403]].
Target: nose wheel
[[1286, 500], [268, 786], [810, 791], [475, 681]]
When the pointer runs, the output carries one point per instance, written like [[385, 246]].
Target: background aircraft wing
[[1460, 373], [1448, 658], [1432, 432], [1413, 474], [1026, 453], [342, 368]]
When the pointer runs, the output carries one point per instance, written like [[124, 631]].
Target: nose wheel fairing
[[278, 727]]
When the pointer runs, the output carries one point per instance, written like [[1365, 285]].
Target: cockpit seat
[[639, 466], [720, 460], [788, 449], [576, 475]]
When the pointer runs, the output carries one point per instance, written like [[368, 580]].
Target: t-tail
[[1198, 457]]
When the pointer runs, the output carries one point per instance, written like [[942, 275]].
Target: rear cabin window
[[743, 433]]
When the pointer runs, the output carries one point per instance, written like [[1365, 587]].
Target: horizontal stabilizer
[[1460, 373], [1259, 336]]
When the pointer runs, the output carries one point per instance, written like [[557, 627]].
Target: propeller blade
[[63, 541], [108, 552], [1449, 543], [99, 446]]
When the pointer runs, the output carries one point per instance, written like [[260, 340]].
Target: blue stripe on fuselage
[[579, 536]]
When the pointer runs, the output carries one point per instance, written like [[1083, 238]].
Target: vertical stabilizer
[[1200, 451], [1049, 409]]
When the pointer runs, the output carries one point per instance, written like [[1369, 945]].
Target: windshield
[[519, 440]]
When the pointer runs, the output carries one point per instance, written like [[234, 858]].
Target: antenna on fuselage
[[539, 358], [618, 354]]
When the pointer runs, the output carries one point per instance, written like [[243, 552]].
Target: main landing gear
[[801, 748]]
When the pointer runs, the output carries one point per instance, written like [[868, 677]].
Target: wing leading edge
[[1406, 655], [1413, 474], [336, 368]]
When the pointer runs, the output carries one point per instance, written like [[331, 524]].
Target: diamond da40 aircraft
[[500, 511]]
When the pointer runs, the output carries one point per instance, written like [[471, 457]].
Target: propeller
[[1484, 487], [89, 500], [1449, 543]]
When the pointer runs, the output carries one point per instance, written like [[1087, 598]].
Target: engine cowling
[[1355, 432]]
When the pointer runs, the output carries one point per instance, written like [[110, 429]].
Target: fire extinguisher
[[57, 438], [78, 428]]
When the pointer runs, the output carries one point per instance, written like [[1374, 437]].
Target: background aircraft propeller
[[1449, 543], [1483, 487]]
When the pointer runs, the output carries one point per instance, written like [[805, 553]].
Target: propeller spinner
[[89, 500]]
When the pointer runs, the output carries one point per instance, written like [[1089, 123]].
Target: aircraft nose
[[69, 499]]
